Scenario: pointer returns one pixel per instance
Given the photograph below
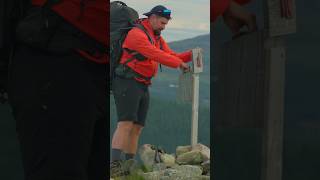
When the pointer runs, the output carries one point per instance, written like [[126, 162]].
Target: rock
[[168, 159], [147, 155], [185, 178], [188, 170], [202, 177], [193, 157], [152, 175], [205, 151], [159, 167], [182, 173], [170, 173], [182, 149], [191, 163], [206, 167]]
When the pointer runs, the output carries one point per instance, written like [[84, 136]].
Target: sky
[[190, 17]]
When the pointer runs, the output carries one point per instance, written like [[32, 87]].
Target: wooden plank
[[274, 122], [275, 22], [184, 90], [237, 81]]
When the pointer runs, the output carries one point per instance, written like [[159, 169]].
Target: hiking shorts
[[60, 108], [131, 99]]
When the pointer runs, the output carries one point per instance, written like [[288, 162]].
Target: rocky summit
[[188, 162]]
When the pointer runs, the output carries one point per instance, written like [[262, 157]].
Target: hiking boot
[[117, 169], [131, 166]]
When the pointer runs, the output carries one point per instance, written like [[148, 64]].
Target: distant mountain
[[165, 84]]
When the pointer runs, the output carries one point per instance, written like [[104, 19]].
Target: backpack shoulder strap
[[140, 26]]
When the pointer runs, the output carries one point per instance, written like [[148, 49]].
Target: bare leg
[[121, 136], [132, 146]]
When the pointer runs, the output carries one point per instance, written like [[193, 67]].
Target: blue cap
[[160, 11]]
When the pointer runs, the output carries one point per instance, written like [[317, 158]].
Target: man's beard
[[157, 32]]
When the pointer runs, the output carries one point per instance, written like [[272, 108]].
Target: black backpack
[[11, 12], [122, 19], [22, 23]]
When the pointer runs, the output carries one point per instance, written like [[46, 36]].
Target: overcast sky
[[190, 17]]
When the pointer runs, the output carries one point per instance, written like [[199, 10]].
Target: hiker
[[133, 78], [57, 90], [234, 15]]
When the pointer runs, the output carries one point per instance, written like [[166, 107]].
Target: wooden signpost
[[188, 90], [251, 81], [280, 17]]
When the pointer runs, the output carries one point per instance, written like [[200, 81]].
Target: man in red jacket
[[59, 99], [234, 15], [133, 78]]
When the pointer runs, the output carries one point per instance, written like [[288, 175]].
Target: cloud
[[191, 14]]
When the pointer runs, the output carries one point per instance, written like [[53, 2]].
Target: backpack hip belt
[[124, 71]]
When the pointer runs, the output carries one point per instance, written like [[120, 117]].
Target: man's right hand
[[235, 17], [184, 67]]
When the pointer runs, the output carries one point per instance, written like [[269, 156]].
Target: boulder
[[193, 157], [147, 155], [205, 151], [188, 170], [168, 159], [155, 175], [159, 167], [206, 167], [182, 149], [190, 162]]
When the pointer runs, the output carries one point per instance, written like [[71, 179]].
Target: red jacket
[[137, 40], [218, 7], [93, 21]]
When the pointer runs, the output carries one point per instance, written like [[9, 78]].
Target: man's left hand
[[237, 17]]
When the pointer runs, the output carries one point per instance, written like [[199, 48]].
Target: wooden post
[[195, 107], [197, 67], [280, 19], [251, 82], [274, 120], [188, 91]]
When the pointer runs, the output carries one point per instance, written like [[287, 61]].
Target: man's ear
[[152, 16]]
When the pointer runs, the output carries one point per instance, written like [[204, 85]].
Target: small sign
[[280, 17], [197, 63]]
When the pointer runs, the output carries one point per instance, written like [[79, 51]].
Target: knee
[[136, 129], [125, 126]]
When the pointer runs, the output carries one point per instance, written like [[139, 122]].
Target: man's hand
[[184, 67], [235, 17]]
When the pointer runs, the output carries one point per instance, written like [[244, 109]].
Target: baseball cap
[[161, 11]]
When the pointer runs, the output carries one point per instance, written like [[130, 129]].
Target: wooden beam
[[195, 109], [240, 84], [274, 121], [250, 93]]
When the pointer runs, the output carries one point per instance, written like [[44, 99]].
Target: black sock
[[116, 155], [129, 156]]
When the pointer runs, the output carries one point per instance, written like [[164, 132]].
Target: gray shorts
[[131, 99]]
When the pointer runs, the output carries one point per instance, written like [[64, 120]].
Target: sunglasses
[[165, 12]]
